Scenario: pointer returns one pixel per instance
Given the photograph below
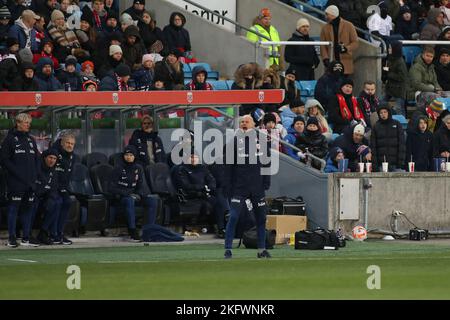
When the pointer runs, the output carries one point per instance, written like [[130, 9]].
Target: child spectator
[[432, 112], [295, 131], [419, 145], [314, 109], [47, 52], [289, 113], [199, 77], [90, 86], [144, 76], [336, 154], [87, 70]]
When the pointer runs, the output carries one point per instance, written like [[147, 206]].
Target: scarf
[[368, 101], [98, 21], [345, 111], [121, 86]]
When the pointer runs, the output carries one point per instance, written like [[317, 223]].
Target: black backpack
[[317, 239], [250, 238]]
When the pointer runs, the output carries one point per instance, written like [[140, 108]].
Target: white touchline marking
[[21, 260]]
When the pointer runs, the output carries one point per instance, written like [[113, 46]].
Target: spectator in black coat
[[116, 80], [110, 62], [406, 24], [136, 10], [176, 35], [5, 18], [170, 71], [419, 145], [149, 145], [387, 141], [44, 76], [128, 187], [441, 139], [70, 78], [302, 58], [152, 36], [26, 81], [349, 10], [443, 69], [313, 140], [20, 157], [96, 14], [47, 197], [354, 145], [9, 65], [328, 84], [133, 48]]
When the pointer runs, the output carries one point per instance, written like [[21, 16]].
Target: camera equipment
[[418, 234]]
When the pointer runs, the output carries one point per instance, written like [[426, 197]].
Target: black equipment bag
[[288, 206], [250, 238], [316, 240]]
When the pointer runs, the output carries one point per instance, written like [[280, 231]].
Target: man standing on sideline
[[66, 160], [262, 24], [246, 181], [344, 37], [303, 59], [20, 157]]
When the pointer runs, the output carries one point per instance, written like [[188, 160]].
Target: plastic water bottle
[[204, 230]]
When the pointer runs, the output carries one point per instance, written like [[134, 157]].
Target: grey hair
[[68, 136], [21, 117]]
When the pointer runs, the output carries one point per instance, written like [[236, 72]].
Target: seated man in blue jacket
[[127, 186]]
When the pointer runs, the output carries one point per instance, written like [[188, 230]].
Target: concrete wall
[[285, 17], [223, 50], [424, 197]]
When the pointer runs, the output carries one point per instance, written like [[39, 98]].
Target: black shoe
[[264, 254], [31, 242], [12, 243], [221, 234], [44, 238], [65, 241], [228, 254]]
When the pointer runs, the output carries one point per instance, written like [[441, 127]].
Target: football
[[359, 233]]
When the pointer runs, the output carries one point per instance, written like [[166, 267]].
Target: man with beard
[[368, 99]]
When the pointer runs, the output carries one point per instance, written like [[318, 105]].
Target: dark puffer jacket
[[64, 166], [387, 140], [315, 142], [419, 147], [350, 148], [177, 37], [441, 141], [302, 58], [193, 180], [139, 139]]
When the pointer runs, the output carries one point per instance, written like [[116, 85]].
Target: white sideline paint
[[21, 260]]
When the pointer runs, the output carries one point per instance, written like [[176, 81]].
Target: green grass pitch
[[408, 271]]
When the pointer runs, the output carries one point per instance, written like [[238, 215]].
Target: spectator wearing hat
[[441, 139], [70, 78], [23, 30], [314, 141], [9, 65], [45, 77], [87, 35], [90, 86], [152, 36], [406, 24], [87, 71], [397, 79], [26, 81], [46, 52], [444, 36], [269, 127], [133, 48], [199, 80], [302, 58], [128, 187], [114, 59], [419, 145], [295, 132], [5, 18], [65, 40], [177, 36], [315, 110], [432, 112], [291, 92], [47, 197], [328, 84], [144, 76], [170, 71], [443, 69], [112, 25], [136, 11], [354, 145], [291, 111], [433, 28], [96, 14], [344, 44], [16, 7], [262, 24], [344, 109], [335, 155], [126, 21], [387, 141], [116, 80]]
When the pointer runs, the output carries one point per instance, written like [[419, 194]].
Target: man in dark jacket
[[64, 167], [44, 75], [9, 65], [441, 139], [443, 69], [19, 156], [26, 81], [354, 145], [419, 145], [302, 58], [136, 10], [387, 141], [128, 187], [328, 84], [397, 84], [133, 48], [70, 78], [245, 180], [149, 145], [47, 197], [116, 80]]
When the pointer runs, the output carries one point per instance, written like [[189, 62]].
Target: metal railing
[[362, 31], [425, 42]]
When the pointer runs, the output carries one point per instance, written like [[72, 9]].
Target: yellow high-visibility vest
[[272, 34]]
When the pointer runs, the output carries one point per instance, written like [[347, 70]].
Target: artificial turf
[[408, 271]]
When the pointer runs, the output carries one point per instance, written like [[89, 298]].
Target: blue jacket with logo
[[126, 179]]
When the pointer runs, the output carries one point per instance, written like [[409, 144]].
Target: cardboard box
[[285, 225]]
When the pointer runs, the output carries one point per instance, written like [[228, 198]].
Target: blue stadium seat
[[188, 75], [410, 53], [187, 81], [212, 75], [319, 4], [230, 83], [446, 102], [307, 87], [219, 84], [401, 118], [186, 67]]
